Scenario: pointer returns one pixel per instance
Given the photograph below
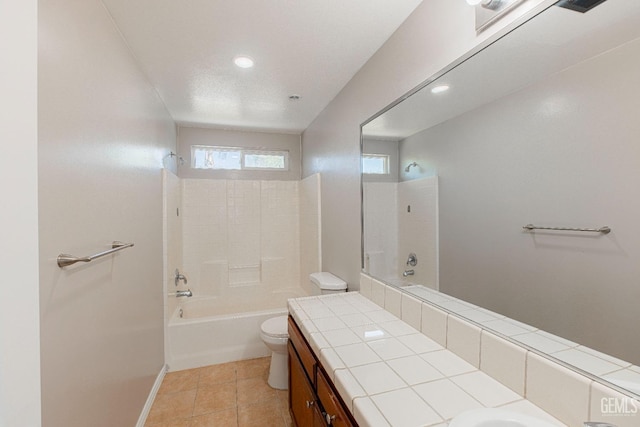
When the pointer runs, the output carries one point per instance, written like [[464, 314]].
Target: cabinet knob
[[329, 418], [310, 403]]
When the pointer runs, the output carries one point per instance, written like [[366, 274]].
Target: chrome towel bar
[[65, 260], [603, 230]]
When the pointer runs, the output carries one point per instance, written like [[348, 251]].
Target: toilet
[[274, 332]]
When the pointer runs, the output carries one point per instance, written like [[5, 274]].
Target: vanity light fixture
[[243, 61], [440, 89]]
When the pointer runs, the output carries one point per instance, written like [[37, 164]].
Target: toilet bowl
[[274, 331], [275, 336]]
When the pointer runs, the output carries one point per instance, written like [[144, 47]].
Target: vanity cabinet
[[313, 399]]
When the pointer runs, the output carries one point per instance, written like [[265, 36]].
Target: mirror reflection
[[539, 128]]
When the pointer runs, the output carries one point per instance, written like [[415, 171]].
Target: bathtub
[[208, 330]]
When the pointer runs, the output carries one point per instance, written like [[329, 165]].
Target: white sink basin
[[493, 417]]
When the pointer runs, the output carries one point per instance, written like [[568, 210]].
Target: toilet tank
[[326, 283]]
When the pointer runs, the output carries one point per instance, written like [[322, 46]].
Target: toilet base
[[279, 371]]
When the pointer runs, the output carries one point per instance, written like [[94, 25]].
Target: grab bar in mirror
[[65, 260], [603, 230]]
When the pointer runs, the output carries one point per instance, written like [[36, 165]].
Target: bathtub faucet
[[186, 293], [179, 277], [408, 273]]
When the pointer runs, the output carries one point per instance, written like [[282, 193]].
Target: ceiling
[[555, 40], [309, 48]]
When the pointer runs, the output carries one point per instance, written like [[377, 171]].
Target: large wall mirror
[[540, 129]]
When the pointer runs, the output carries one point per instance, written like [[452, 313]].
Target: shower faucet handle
[[412, 260], [178, 277]]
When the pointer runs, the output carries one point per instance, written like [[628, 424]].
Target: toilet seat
[[275, 327]]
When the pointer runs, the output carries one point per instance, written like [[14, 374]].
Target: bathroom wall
[[239, 233], [438, 32], [188, 136], [103, 137], [564, 154], [19, 317], [310, 226]]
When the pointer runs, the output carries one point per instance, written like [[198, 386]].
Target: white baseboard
[[152, 395]]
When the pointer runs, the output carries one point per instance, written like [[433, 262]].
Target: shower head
[[409, 166], [178, 158]]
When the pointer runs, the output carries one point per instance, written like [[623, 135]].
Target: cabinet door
[[302, 348], [318, 418], [335, 412], [301, 397]]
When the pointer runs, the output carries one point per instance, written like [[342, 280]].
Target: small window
[[203, 157], [265, 160], [375, 164], [238, 158]]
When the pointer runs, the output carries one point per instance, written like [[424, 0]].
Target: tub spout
[[408, 273], [186, 293]]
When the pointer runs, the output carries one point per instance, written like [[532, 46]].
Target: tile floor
[[232, 394]]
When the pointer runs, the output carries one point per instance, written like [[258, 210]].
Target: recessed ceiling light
[[440, 89], [294, 97], [243, 61]]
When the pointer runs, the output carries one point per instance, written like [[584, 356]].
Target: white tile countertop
[[614, 370], [390, 374]]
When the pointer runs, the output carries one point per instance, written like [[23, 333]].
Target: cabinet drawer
[[335, 412], [302, 348]]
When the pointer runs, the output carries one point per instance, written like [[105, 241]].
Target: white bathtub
[[221, 329]]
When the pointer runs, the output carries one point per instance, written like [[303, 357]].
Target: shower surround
[[239, 234], [245, 247], [392, 234]]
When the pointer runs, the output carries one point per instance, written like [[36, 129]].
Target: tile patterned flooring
[[232, 394]]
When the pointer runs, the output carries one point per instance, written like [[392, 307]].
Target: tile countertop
[[390, 374], [614, 370]]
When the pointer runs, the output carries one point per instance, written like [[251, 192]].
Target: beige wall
[[188, 136], [438, 32], [103, 137], [19, 326]]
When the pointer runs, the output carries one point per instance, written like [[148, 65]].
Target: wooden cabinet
[[335, 412], [302, 399], [313, 399]]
